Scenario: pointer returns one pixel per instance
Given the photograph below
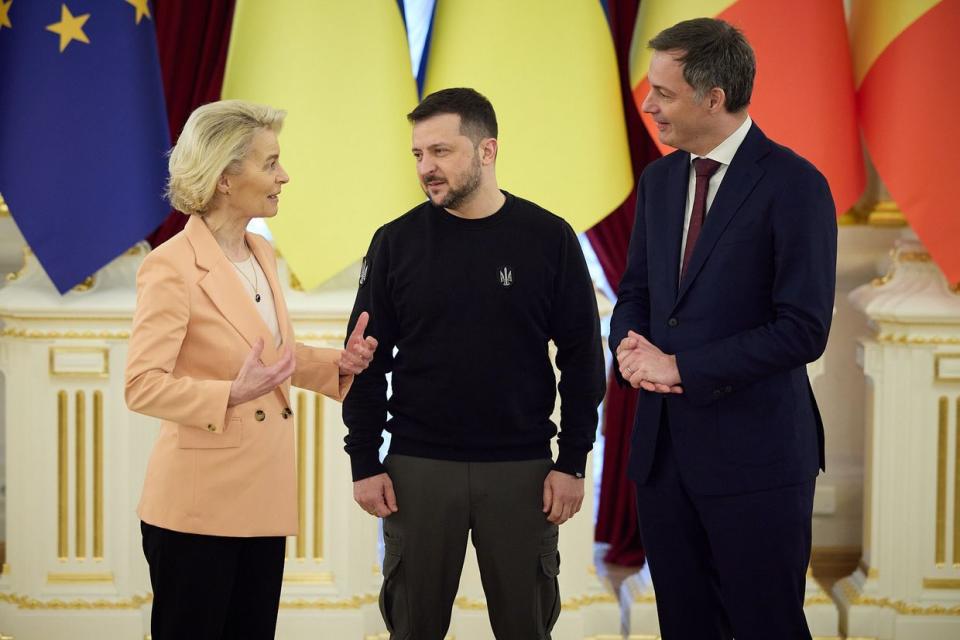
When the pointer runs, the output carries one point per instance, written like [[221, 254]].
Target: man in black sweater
[[465, 291]]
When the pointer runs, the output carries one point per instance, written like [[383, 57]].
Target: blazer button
[[286, 413], [672, 322], [210, 427], [260, 415]]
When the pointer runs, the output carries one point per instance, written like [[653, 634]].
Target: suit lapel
[[741, 177], [677, 180]]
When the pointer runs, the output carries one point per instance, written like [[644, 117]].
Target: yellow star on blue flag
[[90, 120], [70, 28]]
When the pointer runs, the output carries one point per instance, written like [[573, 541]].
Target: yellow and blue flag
[[83, 130]]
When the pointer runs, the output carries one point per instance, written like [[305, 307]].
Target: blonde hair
[[214, 141]]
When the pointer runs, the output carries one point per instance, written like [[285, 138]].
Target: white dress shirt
[[722, 153]]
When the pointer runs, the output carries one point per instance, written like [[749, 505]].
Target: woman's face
[[255, 190]]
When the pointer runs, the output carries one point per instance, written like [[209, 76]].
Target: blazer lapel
[[741, 177], [223, 286], [268, 262]]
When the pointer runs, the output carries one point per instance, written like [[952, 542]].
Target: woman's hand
[[256, 379], [359, 352]]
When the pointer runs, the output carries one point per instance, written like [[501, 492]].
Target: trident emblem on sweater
[[506, 276]]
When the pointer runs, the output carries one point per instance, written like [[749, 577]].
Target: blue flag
[[83, 130]]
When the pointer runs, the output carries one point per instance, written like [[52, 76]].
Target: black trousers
[[500, 506], [213, 587], [725, 566]]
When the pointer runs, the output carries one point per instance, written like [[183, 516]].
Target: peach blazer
[[216, 470]]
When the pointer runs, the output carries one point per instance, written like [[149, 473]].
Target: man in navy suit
[[728, 294]]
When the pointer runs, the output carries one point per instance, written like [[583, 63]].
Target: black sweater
[[470, 306]]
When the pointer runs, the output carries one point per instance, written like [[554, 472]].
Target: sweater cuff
[[364, 464], [572, 461]]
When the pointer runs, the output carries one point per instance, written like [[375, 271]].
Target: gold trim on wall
[[98, 475], [937, 359], [854, 597], [62, 480], [79, 578], [940, 550], [324, 577], [27, 602], [12, 332], [103, 372], [318, 467], [353, 602], [868, 571], [302, 475], [941, 583], [80, 482]]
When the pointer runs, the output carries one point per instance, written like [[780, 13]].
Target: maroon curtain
[[192, 40], [617, 513]]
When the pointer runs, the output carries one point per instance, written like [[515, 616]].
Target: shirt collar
[[724, 152]]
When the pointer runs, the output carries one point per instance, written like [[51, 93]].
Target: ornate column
[[908, 582]]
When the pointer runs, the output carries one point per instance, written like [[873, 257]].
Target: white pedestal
[[908, 582]]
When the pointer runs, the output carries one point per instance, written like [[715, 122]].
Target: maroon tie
[[704, 168]]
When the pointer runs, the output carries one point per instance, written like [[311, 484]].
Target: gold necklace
[[254, 283]]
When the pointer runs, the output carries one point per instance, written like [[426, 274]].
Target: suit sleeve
[[159, 326], [318, 370], [804, 279], [632, 311], [576, 332], [365, 407]]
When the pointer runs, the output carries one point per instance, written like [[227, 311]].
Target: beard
[[456, 196]]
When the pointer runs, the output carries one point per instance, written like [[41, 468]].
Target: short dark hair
[[715, 54], [477, 117]]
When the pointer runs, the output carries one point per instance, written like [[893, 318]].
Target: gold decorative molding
[[324, 577], [80, 578], [4, 209], [87, 284], [336, 338], [98, 475], [301, 475], [941, 583], [12, 332], [940, 549], [570, 604], [80, 471], [939, 375], [27, 602], [820, 598], [898, 257], [353, 602], [956, 488], [906, 338], [101, 370], [318, 468], [854, 597], [62, 480], [886, 214]]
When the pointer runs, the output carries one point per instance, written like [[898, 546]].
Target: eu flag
[[83, 130]]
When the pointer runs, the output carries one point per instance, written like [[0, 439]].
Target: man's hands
[[562, 496], [256, 379], [359, 352], [645, 366], [375, 495]]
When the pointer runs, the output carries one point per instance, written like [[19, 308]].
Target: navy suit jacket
[[753, 309]]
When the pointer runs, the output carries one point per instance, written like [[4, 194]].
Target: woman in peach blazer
[[212, 354]]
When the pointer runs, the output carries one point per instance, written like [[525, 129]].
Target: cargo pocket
[[393, 597], [548, 585]]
